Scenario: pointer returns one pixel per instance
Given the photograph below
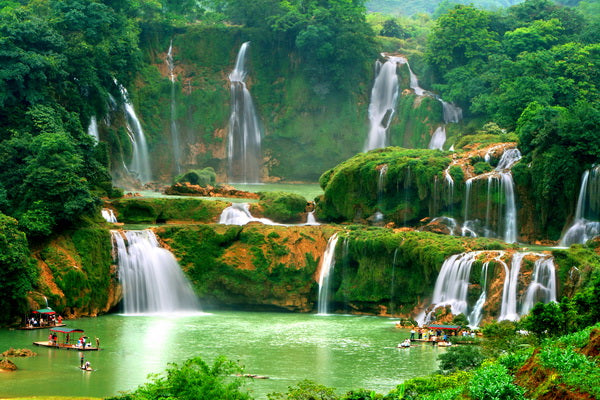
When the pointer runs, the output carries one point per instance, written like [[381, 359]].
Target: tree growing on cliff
[[16, 270]]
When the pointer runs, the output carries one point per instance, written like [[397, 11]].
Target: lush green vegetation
[[282, 207], [406, 193], [160, 210]]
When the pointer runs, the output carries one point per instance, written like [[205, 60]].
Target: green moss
[[482, 167], [352, 189], [282, 207], [201, 177], [146, 210]]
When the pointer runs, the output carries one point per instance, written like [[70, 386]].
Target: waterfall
[[414, 82], [452, 286], [244, 136], [310, 219], [140, 160], [109, 215], [452, 113], [326, 271], [509, 158], [543, 284], [498, 183], [93, 128], [438, 139], [239, 214], [174, 129], [383, 103], [150, 275], [585, 225]]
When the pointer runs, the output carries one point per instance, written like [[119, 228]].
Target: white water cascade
[[239, 214], [109, 215], [383, 102], [414, 82], [174, 129], [139, 166], [438, 139], [244, 136], [93, 128], [452, 286], [585, 225], [542, 288], [152, 280], [311, 220], [326, 270], [498, 183]]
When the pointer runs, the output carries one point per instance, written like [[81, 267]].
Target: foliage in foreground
[[193, 380]]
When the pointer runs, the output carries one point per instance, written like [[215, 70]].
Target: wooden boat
[[44, 320], [64, 343]]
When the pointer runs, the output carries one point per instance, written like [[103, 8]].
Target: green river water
[[340, 351]]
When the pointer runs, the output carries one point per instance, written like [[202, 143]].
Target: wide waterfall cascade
[[326, 271], [438, 139], [140, 160], [92, 129], [244, 136], [454, 280], [586, 223], [109, 215], [152, 280], [452, 113], [174, 128], [383, 102], [239, 214]]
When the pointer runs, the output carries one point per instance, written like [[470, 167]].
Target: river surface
[[341, 351]]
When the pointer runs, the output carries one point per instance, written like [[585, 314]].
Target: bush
[[493, 382], [193, 380], [481, 167], [460, 358], [305, 390], [433, 387]]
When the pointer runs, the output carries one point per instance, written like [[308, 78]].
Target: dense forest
[[522, 72]]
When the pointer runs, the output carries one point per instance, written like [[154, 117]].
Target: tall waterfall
[[454, 281], [383, 102], [174, 129], [139, 166], [326, 271], [500, 218], [244, 137], [414, 82], [93, 128], [150, 275], [586, 224]]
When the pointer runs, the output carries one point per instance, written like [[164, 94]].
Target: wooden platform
[[63, 346]]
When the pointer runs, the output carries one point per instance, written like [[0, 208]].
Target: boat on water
[[42, 319], [65, 340]]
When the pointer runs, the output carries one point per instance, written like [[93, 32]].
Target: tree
[[392, 29], [17, 273], [545, 320]]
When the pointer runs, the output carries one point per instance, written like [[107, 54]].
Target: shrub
[[193, 380], [493, 382], [460, 358], [481, 167]]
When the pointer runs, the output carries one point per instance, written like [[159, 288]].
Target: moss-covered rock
[[156, 210], [76, 273], [282, 206], [399, 183]]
